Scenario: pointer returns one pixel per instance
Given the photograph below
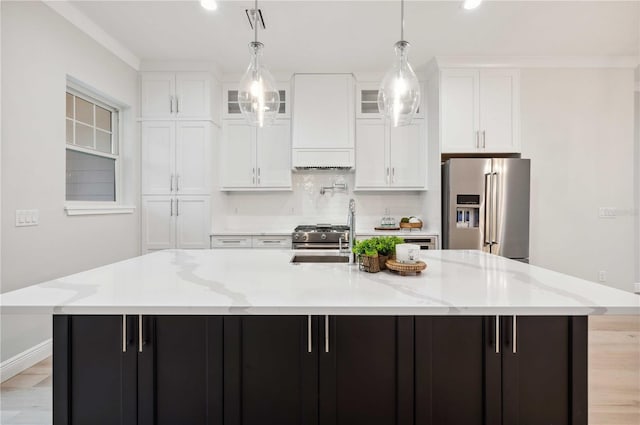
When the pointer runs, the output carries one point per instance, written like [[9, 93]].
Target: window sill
[[93, 209]]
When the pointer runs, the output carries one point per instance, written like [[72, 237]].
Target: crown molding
[[533, 62], [86, 25]]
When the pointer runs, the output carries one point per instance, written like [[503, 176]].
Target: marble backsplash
[[276, 211]]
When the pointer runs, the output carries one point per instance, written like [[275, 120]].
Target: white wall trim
[[86, 25], [535, 61], [93, 209], [23, 361]]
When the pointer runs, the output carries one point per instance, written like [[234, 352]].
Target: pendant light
[[258, 95], [399, 93]]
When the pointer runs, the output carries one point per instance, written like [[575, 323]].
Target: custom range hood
[[323, 122]]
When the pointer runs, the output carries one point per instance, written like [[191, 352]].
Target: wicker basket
[[369, 264], [411, 225]]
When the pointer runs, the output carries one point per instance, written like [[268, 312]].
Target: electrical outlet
[[607, 212], [602, 276], [27, 218]]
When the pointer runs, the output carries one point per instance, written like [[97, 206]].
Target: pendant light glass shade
[[399, 93], [258, 95]]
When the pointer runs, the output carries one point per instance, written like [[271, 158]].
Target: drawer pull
[[124, 333], [309, 342]]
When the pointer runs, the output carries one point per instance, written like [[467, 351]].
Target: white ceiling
[[358, 36]]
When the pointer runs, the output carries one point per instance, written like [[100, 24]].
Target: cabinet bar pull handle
[[484, 139], [309, 342], [497, 334], [230, 241], [177, 104], [171, 183], [393, 174], [171, 104], [515, 335], [253, 172], [171, 208], [140, 333], [388, 175], [177, 207], [326, 334], [124, 333], [177, 182]]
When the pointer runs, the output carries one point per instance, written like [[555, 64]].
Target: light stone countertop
[[247, 281]]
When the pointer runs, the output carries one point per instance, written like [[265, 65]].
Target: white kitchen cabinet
[[390, 158], [371, 154], [176, 157], [407, 155], [192, 221], [480, 110], [273, 242], [255, 158], [251, 241], [175, 222], [231, 241], [323, 120], [231, 107], [158, 228], [175, 95]]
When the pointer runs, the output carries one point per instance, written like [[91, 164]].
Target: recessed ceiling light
[[471, 4], [209, 4]]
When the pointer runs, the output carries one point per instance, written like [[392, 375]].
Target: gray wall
[[39, 50]]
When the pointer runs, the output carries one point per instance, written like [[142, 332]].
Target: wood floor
[[614, 379]]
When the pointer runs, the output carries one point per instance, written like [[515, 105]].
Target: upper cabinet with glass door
[[231, 107], [367, 102], [175, 95]]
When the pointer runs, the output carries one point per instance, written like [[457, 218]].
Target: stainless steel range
[[320, 236]]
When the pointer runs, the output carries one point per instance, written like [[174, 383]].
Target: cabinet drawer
[[231, 242], [282, 242]]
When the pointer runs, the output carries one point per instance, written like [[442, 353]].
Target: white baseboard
[[23, 361]]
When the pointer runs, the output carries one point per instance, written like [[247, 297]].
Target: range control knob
[[323, 237], [296, 236], [306, 237]]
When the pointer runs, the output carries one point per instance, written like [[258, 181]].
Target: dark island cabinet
[[366, 370], [511, 370], [270, 370], [95, 370], [320, 370], [180, 370], [544, 370]]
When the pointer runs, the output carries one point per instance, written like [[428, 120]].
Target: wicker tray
[[404, 268]]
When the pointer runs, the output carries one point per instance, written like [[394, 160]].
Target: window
[[92, 149]]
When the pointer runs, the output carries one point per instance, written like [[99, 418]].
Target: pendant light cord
[[401, 20], [255, 21]]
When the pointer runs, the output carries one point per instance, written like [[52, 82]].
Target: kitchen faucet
[[351, 222]]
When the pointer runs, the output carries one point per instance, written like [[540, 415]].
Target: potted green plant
[[373, 253]]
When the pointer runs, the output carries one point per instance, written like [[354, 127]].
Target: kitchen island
[[247, 337]]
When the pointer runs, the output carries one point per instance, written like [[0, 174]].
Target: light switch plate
[[607, 212], [27, 218]]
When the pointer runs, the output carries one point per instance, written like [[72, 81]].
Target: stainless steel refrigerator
[[485, 205]]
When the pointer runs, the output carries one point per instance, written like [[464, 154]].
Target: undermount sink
[[320, 259]]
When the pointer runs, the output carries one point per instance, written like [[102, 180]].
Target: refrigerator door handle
[[487, 207], [494, 209]]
